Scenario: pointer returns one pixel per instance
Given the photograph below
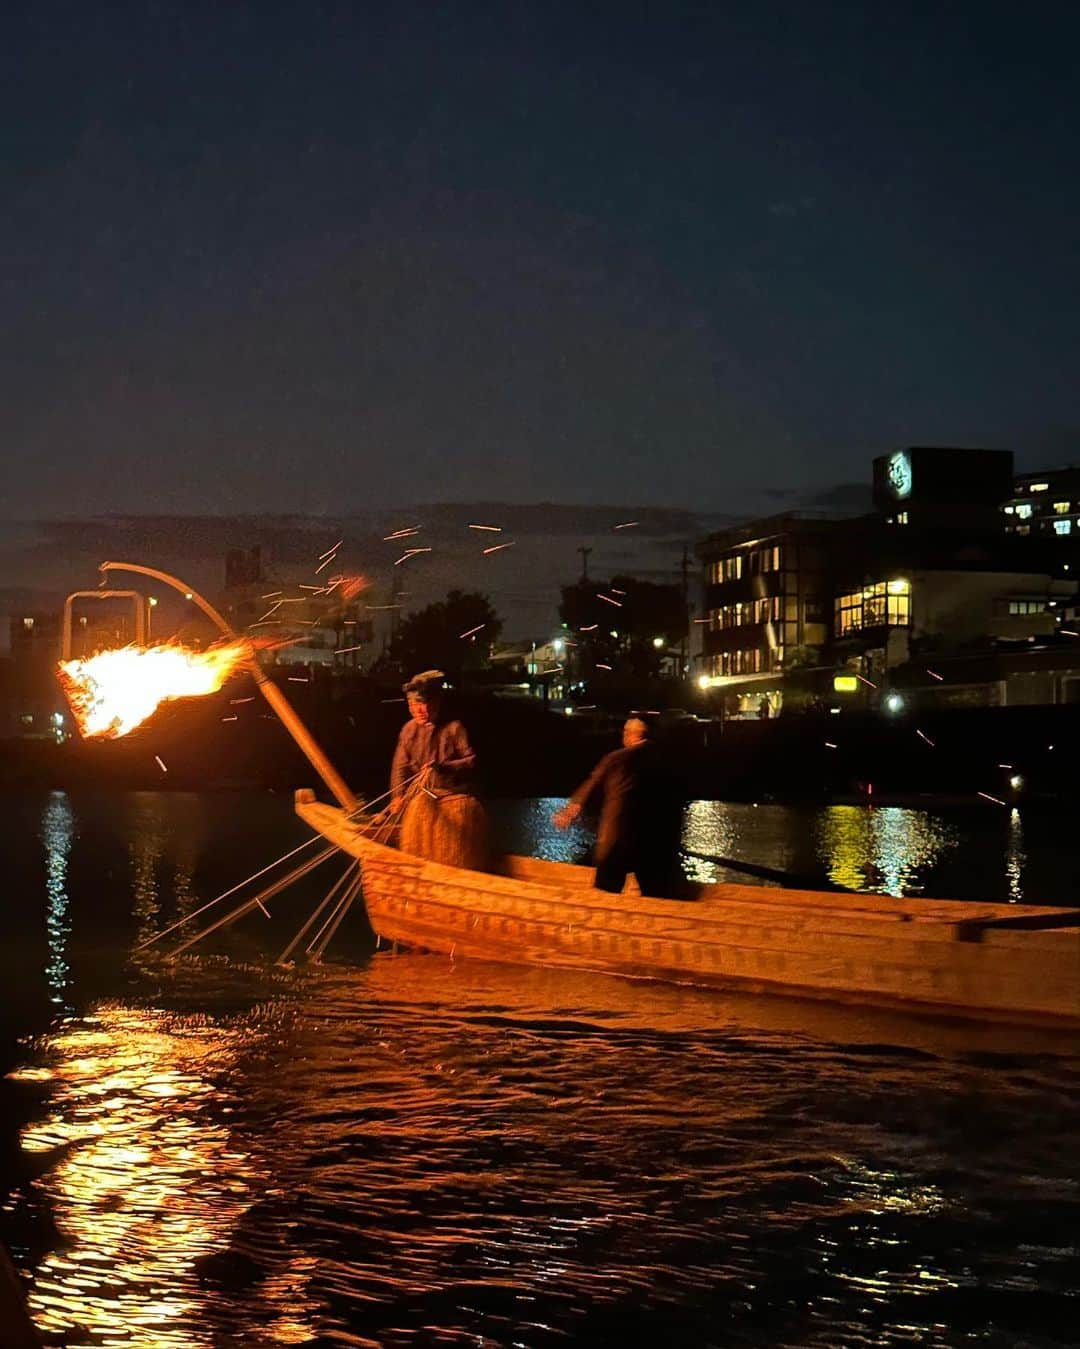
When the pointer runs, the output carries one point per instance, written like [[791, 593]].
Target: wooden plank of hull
[[940, 954]]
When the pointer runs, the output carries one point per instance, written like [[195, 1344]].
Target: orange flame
[[115, 691]]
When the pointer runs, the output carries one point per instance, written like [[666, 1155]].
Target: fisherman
[[432, 781], [640, 815]]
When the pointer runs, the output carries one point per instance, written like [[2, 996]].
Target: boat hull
[[1018, 963]]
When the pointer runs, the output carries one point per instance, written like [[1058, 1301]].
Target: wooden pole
[[286, 713]]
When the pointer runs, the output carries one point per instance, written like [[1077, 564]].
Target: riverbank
[[996, 756]]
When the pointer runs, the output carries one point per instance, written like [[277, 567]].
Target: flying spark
[[160, 763], [926, 738], [272, 596], [600, 666], [492, 529], [403, 533], [987, 797], [497, 547], [934, 675], [608, 600], [866, 681], [589, 628], [472, 631], [628, 524], [410, 552], [341, 650]]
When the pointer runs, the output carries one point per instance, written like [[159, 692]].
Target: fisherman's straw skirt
[[451, 829]]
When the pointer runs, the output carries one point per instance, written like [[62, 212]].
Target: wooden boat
[[1010, 962]]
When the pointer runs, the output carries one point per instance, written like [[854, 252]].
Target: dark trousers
[[655, 872]]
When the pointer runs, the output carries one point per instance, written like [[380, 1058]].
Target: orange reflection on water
[[148, 1181]]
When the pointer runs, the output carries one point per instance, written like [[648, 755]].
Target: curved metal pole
[[337, 785]]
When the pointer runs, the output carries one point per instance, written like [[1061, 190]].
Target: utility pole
[[584, 562], [683, 650]]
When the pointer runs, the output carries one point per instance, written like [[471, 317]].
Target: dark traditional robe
[[640, 817], [445, 746]]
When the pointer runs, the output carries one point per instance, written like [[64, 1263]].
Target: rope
[[317, 949], [315, 838], [331, 895]]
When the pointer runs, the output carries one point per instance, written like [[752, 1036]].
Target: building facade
[[36, 706], [767, 592], [1045, 504], [794, 603]]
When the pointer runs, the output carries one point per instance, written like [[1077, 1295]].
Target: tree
[[645, 618], [453, 635]]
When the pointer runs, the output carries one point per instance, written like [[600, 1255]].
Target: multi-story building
[[1046, 503], [793, 600], [767, 588], [943, 488]]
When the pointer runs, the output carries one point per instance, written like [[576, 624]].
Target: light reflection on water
[[57, 831], [149, 1177], [1015, 857], [422, 1152], [888, 849], [418, 1151]]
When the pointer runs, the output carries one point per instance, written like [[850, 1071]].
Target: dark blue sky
[[323, 256]]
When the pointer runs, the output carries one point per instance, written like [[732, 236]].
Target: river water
[[400, 1150]]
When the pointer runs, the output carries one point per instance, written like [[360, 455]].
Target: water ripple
[[424, 1153]]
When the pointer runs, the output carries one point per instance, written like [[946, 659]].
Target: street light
[[658, 642], [894, 703]]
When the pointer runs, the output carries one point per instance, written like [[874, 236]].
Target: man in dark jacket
[[640, 815]]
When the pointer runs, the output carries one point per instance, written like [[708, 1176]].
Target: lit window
[[1009, 509], [1062, 526], [875, 606], [1038, 487], [902, 518], [1023, 511], [1061, 507], [1023, 607], [28, 622], [1023, 529]]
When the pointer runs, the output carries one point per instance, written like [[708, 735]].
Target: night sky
[[324, 257]]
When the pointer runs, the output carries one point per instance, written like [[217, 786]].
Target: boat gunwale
[[919, 913]]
